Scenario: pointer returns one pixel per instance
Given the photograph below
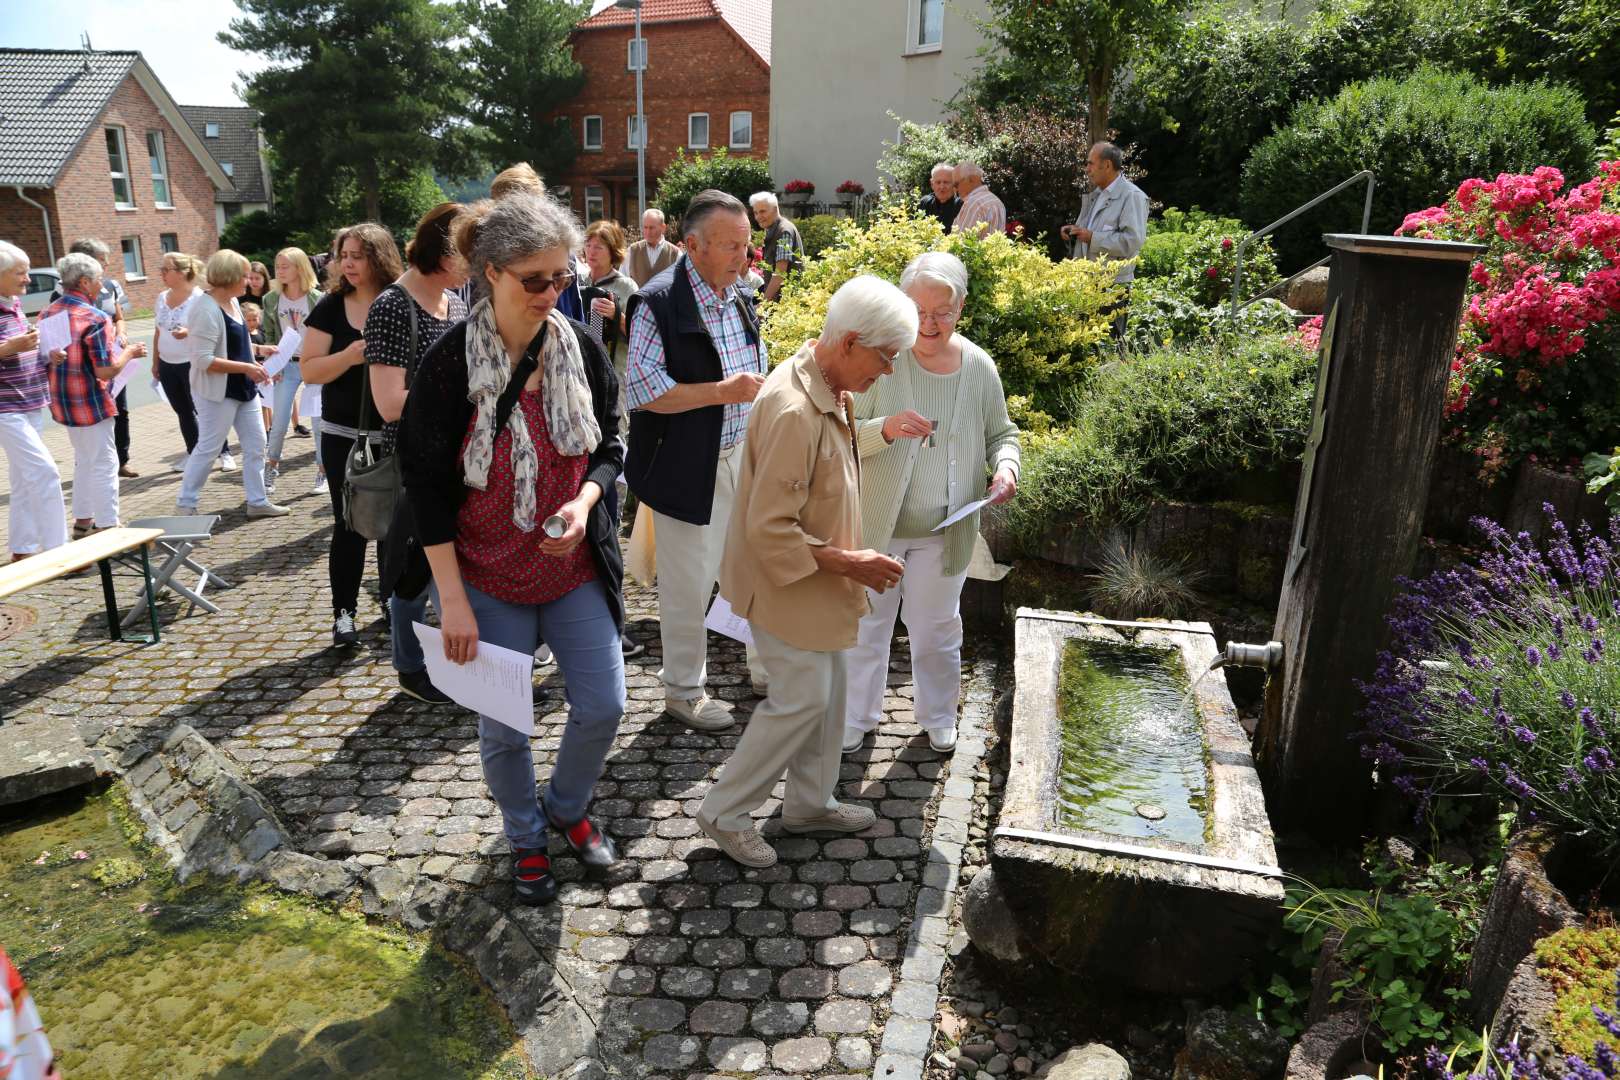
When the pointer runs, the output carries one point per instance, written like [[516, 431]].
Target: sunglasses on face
[[537, 284]]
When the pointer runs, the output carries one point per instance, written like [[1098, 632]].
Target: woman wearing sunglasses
[[510, 437]]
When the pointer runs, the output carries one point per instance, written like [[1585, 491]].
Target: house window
[[169, 242], [632, 133], [160, 168], [133, 267], [227, 168], [210, 131], [742, 130], [930, 24], [118, 165], [592, 138], [697, 130], [594, 206], [636, 54]]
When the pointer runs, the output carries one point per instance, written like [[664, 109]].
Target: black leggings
[[346, 561], [176, 382]]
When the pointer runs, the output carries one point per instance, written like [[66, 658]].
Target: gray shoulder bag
[[372, 485]]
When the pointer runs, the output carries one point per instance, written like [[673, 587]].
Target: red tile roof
[[749, 19]]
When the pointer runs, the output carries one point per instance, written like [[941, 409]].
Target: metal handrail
[[1243, 248]]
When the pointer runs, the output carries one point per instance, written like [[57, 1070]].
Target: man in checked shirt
[[695, 363]]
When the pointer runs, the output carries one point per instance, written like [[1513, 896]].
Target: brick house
[[706, 85], [91, 144], [233, 137]]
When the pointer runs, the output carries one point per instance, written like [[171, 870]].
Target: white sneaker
[[943, 741], [759, 686], [704, 714], [179, 466], [227, 463], [321, 486], [542, 655], [271, 475], [266, 510], [853, 738]]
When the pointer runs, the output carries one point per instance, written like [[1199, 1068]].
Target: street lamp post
[[641, 115]]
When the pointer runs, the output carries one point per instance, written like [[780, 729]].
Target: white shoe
[[844, 819], [704, 714], [179, 466], [760, 687], [542, 655], [227, 463], [944, 740], [746, 846], [853, 739], [321, 485], [266, 510], [271, 475]]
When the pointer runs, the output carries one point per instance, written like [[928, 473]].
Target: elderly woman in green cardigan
[[928, 437]]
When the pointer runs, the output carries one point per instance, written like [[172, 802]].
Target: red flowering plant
[[798, 187], [851, 187], [1537, 372], [1209, 265]]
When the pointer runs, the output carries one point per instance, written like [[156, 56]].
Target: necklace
[[837, 397]]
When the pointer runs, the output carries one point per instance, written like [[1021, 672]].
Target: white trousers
[[930, 604], [214, 422], [95, 474], [688, 566], [798, 729], [38, 519]]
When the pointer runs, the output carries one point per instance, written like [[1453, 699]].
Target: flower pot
[[795, 198]]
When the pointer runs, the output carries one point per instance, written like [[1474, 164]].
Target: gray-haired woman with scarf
[[514, 419]]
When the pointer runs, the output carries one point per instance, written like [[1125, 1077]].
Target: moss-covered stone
[[1582, 967]]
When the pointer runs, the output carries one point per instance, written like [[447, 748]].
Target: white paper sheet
[[310, 406], [962, 513], [55, 334], [498, 682], [121, 379], [722, 620], [284, 353], [157, 389]]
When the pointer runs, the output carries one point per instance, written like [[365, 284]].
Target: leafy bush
[[819, 232], [1184, 247], [1581, 966], [1175, 423], [1537, 373], [255, 235], [1528, 699], [905, 164], [1421, 135], [686, 176], [1510, 1062], [1034, 160], [1161, 314], [1041, 322], [1609, 150]]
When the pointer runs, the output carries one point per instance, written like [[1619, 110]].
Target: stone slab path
[[680, 963]]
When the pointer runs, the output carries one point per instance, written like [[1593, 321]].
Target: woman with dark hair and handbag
[[510, 438], [334, 355]]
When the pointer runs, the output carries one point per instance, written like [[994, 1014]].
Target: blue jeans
[[579, 628], [292, 380], [406, 648]]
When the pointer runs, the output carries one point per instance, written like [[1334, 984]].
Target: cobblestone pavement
[[701, 966]]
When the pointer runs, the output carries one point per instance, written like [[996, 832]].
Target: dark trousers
[[346, 560], [121, 429], [176, 382]]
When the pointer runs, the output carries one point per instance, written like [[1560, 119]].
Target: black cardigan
[[431, 433]]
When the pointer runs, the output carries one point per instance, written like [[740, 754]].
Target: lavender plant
[[1512, 1063], [1498, 677]]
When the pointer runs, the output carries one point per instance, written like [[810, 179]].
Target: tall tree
[[1080, 42], [520, 67], [367, 91]]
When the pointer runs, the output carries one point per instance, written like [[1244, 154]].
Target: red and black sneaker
[[593, 846], [531, 877]]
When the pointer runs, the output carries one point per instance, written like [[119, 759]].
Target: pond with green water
[[139, 976], [1133, 758]]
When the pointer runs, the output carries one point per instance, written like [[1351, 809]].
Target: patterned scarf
[[570, 418]]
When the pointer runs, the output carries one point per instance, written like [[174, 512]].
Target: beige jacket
[[800, 488], [641, 268]]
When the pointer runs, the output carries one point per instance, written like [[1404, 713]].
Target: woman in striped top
[[38, 519], [928, 436]]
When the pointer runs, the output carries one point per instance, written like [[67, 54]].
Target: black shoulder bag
[[372, 485]]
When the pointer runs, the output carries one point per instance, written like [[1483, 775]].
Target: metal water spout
[[1267, 657]]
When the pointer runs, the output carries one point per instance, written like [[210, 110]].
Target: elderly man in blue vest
[[1113, 218], [696, 360]]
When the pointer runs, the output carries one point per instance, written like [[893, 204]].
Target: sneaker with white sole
[[227, 463], [853, 738], [845, 819], [266, 510], [942, 741], [542, 655], [321, 485], [343, 631], [746, 846], [271, 475], [759, 686], [704, 714]]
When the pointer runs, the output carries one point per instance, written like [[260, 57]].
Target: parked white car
[[41, 283]]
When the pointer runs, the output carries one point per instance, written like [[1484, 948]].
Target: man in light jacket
[[1112, 219], [795, 570]]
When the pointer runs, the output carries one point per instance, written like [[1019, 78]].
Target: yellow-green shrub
[[1581, 965], [1041, 322]]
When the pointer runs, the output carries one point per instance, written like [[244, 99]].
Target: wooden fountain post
[[1394, 305]]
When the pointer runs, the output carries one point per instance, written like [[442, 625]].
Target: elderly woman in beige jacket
[[927, 436]]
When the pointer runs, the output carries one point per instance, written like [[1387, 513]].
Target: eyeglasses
[[537, 284], [943, 318]]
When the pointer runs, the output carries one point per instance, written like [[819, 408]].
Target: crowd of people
[[518, 377]]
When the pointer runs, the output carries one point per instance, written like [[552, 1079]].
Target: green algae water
[[138, 976], [1130, 739]]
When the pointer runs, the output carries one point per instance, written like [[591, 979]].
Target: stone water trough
[[1133, 844]]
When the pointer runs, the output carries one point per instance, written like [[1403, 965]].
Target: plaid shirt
[[647, 376], [22, 377], [78, 398]]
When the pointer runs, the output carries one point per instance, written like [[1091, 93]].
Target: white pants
[[38, 519], [95, 474], [214, 422], [797, 729], [929, 602], [688, 566]]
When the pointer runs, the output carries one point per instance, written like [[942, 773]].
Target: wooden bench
[[97, 549]]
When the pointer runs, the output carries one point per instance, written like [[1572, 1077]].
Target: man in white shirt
[[981, 211], [652, 254]]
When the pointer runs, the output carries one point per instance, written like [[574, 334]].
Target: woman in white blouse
[[171, 347]]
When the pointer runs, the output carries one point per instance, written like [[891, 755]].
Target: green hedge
[[686, 176], [819, 232], [1421, 135]]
